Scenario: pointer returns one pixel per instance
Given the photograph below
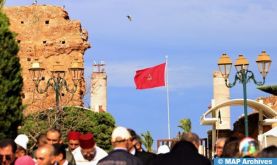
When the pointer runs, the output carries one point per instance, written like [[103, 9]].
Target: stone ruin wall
[[46, 33]]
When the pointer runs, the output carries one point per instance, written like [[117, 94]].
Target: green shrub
[[72, 118]]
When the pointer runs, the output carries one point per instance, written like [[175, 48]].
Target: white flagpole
[[167, 97]]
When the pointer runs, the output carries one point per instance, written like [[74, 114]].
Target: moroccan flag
[[150, 77]]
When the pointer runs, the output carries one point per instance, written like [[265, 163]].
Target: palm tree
[[147, 141], [185, 125]]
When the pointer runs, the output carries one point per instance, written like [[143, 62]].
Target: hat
[[86, 140], [73, 135], [248, 147], [22, 140], [163, 149], [26, 160], [120, 134]]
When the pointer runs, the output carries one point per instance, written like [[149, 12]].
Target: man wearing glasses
[[7, 151]]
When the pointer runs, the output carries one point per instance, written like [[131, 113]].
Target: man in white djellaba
[[88, 153]]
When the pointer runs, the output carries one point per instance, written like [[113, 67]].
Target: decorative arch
[[268, 112]]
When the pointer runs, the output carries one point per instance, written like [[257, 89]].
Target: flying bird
[[129, 17], [35, 2]]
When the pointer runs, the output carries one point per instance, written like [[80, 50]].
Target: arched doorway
[[263, 110]]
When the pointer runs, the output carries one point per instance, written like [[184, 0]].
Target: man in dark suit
[[120, 155], [183, 152], [145, 157]]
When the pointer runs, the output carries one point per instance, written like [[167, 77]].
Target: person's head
[[138, 145], [219, 144], [268, 152], [73, 140], [45, 155], [20, 151], [7, 151], [87, 145], [53, 136], [248, 147], [59, 153], [121, 138], [191, 137], [231, 147], [41, 140], [133, 140], [21, 141], [24, 160], [136, 140]]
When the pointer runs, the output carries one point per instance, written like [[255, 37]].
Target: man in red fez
[[73, 140], [88, 153]]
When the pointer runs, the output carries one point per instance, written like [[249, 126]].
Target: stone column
[[98, 98], [221, 94]]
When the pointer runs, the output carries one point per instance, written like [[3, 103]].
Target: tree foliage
[[2, 2], [73, 118], [147, 141], [185, 125], [10, 80]]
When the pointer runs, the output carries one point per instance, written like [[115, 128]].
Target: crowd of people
[[238, 146], [81, 149]]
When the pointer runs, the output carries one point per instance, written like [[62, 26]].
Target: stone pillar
[[98, 98], [221, 94], [260, 122]]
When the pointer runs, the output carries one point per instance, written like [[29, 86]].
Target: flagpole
[[167, 97]]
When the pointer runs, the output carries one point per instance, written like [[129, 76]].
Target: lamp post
[[57, 80], [243, 75]]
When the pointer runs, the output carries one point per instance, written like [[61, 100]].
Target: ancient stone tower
[[221, 94], [46, 33], [99, 88]]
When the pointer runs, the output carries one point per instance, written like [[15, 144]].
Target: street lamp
[[57, 80], [243, 75]]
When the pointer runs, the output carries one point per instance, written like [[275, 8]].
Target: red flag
[[150, 77]]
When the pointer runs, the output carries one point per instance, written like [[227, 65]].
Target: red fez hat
[[73, 135], [86, 140]]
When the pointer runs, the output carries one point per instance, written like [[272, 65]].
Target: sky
[[192, 33]]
